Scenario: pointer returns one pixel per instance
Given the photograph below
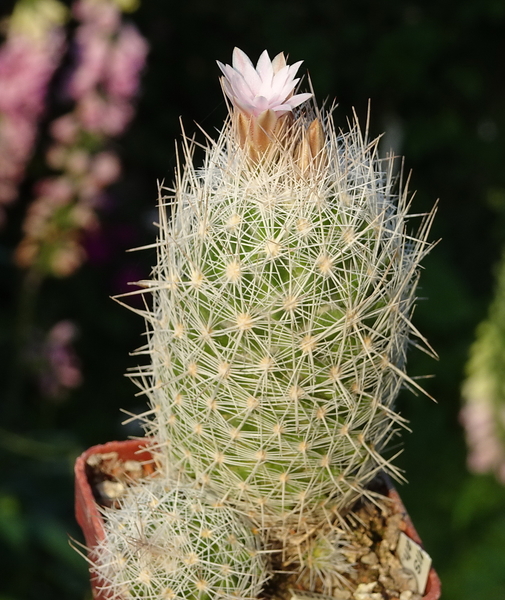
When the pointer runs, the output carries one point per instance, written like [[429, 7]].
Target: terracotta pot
[[90, 520]]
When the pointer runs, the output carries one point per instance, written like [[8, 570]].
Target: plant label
[[415, 559]]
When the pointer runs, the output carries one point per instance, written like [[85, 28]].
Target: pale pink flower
[[109, 57], [486, 451], [61, 189], [26, 66], [102, 14], [93, 50], [104, 115], [62, 367], [90, 112], [117, 116], [269, 86], [105, 168], [54, 359], [17, 136], [67, 258], [65, 129], [125, 62], [77, 162]]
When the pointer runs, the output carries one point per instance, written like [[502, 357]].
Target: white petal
[[227, 87], [240, 60], [298, 99], [264, 68], [238, 83], [280, 80], [279, 62], [282, 108], [289, 87], [293, 69], [242, 63], [261, 104]]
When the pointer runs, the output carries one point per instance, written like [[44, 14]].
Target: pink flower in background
[[107, 75], [17, 135], [102, 13], [107, 60], [105, 168], [486, 451], [92, 50], [58, 188], [127, 59], [104, 116], [269, 86], [65, 129], [60, 370], [26, 68]]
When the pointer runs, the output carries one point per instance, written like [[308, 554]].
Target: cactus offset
[[165, 543], [282, 297]]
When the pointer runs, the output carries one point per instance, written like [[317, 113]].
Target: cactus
[[277, 336], [282, 298], [167, 542]]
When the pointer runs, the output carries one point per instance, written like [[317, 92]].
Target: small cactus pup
[[168, 541], [282, 297]]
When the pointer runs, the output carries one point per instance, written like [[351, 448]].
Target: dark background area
[[433, 72]]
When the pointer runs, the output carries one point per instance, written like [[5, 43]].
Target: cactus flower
[[269, 86], [263, 97]]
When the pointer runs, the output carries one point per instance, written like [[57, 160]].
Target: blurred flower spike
[[60, 369], [269, 86], [30, 54], [108, 56]]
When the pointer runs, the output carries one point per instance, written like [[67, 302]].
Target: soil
[[375, 571], [108, 476], [378, 572]]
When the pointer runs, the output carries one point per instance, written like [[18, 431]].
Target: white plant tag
[[415, 559]]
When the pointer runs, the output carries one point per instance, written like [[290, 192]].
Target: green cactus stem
[[282, 299]]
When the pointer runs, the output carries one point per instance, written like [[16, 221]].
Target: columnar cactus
[[282, 298]]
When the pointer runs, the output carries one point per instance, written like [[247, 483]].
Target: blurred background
[[91, 97]]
